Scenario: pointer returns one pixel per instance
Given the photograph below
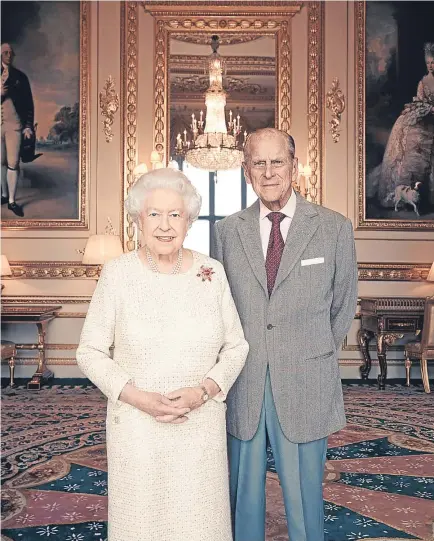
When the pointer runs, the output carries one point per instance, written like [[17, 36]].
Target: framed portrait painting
[[395, 115], [44, 100]]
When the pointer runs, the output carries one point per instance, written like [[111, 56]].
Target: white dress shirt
[[265, 224]]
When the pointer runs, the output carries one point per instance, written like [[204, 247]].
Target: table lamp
[[156, 160], [101, 248], [5, 269], [430, 277]]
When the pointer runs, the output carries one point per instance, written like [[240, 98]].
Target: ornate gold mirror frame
[[245, 18], [254, 18]]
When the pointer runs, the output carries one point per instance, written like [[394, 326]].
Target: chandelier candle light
[[214, 146]]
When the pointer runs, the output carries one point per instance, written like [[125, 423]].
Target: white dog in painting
[[408, 195]]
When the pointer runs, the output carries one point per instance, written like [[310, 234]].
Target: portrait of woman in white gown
[[397, 173], [409, 155]]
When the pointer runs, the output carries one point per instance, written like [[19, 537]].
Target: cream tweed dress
[[166, 482]]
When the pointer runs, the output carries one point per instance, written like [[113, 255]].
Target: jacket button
[[269, 326]]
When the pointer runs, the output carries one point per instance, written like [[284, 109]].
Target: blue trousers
[[300, 467]]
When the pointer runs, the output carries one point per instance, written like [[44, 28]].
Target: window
[[221, 196]]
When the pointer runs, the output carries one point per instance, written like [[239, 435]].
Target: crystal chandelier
[[213, 145]]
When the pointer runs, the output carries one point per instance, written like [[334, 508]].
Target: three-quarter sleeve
[[234, 350], [97, 337]]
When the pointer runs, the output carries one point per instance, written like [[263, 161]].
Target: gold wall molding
[[399, 272], [335, 103], [315, 94], [38, 299], [239, 65], [161, 88], [395, 272], [242, 15], [129, 71], [283, 82], [224, 40], [109, 104], [52, 270]]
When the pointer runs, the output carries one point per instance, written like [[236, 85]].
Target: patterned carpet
[[379, 481]]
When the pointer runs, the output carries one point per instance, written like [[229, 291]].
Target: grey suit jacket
[[300, 328]]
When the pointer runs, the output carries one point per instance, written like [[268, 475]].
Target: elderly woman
[[178, 348]]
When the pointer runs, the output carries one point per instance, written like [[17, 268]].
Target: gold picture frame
[[82, 220], [377, 221]]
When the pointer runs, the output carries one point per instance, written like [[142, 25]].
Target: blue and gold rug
[[379, 480]]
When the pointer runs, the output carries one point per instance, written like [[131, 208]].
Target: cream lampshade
[[156, 160], [101, 248], [430, 277], [5, 269]]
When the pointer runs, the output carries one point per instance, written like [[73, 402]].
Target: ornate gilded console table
[[388, 319], [41, 316]]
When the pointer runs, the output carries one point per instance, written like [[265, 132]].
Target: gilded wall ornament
[[335, 102], [129, 70], [52, 269], [315, 94], [109, 104]]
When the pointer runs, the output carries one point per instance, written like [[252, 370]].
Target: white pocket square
[[314, 261]]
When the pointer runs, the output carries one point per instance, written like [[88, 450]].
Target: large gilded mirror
[[249, 80], [255, 42]]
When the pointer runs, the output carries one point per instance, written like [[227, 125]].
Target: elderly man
[[292, 270], [17, 122]]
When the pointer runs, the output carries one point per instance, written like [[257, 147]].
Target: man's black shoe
[[5, 200], [16, 209]]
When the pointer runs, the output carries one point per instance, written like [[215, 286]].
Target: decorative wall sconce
[[302, 182], [109, 104], [5, 269], [335, 102]]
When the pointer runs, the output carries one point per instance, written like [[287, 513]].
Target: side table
[[387, 319], [40, 315]]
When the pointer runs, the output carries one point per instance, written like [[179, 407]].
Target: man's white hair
[[166, 179], [269, 132]]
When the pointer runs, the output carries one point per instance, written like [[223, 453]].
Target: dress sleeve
[[234, 350], [97, 337]]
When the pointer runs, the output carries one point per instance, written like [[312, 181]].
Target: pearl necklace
[[154, 267]]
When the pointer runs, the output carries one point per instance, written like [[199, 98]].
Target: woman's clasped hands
[[170, 408]]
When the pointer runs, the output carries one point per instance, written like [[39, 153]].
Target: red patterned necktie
[[275, 249]]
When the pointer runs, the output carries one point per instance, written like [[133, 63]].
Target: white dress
[[166, 482]]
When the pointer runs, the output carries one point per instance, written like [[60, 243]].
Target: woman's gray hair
[[165, 179]]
